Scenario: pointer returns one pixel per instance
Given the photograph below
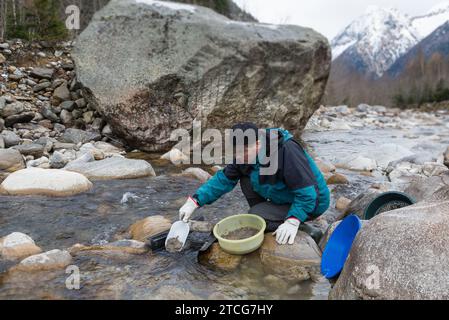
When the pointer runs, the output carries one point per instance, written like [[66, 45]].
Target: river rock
[[431, 169], [342, 204], [422, 188], [337, 178], [31, 149], [214, 257], [48, 113], [66, 117], [10, 138], [417, 158], [358, 163], [41, 86], [405, 172], [42, 73], [50, 260], [58, 160], [42, 162], [76, 136], [175, 156], [11, 160], [46, 182], [11, 109], [197, 173], [112, 168], [108, 149], [24, 117], [401, 254], [62, 93], [148, 227], [17, 246], [298, 262], [2, 143], [120, 246], [208, 68]]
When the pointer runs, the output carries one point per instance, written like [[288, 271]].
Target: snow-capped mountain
[[375, 40], [429, 22], [435, 43]]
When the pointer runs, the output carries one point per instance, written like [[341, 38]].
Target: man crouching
[[295, 193]]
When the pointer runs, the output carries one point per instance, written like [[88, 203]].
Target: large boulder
[[151, 67], [401, 254], [112, 168], [46, 182], [300, 261]]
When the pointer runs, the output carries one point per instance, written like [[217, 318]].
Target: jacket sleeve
[[304, 203], [222, 182], [299, 178]]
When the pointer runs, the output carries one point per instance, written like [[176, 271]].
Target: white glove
[[187, 209], [287, 231]]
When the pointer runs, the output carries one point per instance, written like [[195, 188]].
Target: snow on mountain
[[429, 22], [377, 39]]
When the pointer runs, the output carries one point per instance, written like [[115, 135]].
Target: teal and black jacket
[[298, 181]]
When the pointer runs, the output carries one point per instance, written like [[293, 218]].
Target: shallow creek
[[99, 216]]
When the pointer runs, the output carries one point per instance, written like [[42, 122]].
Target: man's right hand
[[187, 209]]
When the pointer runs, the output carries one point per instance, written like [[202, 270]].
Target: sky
[[328, 17]]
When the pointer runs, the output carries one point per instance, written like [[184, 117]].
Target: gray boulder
[[11, 109], [42, 73], [423, 188], [157, 68], [32, 149], [401, 254], [10, 138], [112, 168], [24, 117]]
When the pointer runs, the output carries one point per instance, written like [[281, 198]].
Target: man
[[296, 193]]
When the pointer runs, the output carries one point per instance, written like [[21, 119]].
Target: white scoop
[[179, 231]]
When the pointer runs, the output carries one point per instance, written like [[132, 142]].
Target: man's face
[[249, 155]]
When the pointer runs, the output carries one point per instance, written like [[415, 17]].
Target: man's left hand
[[287, 231]]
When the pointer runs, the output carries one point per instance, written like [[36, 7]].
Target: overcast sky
[[326, 16]]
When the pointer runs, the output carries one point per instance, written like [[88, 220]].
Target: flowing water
[[101, 216]]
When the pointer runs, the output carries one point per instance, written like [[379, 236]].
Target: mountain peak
[[377, 38], [435, 17]]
